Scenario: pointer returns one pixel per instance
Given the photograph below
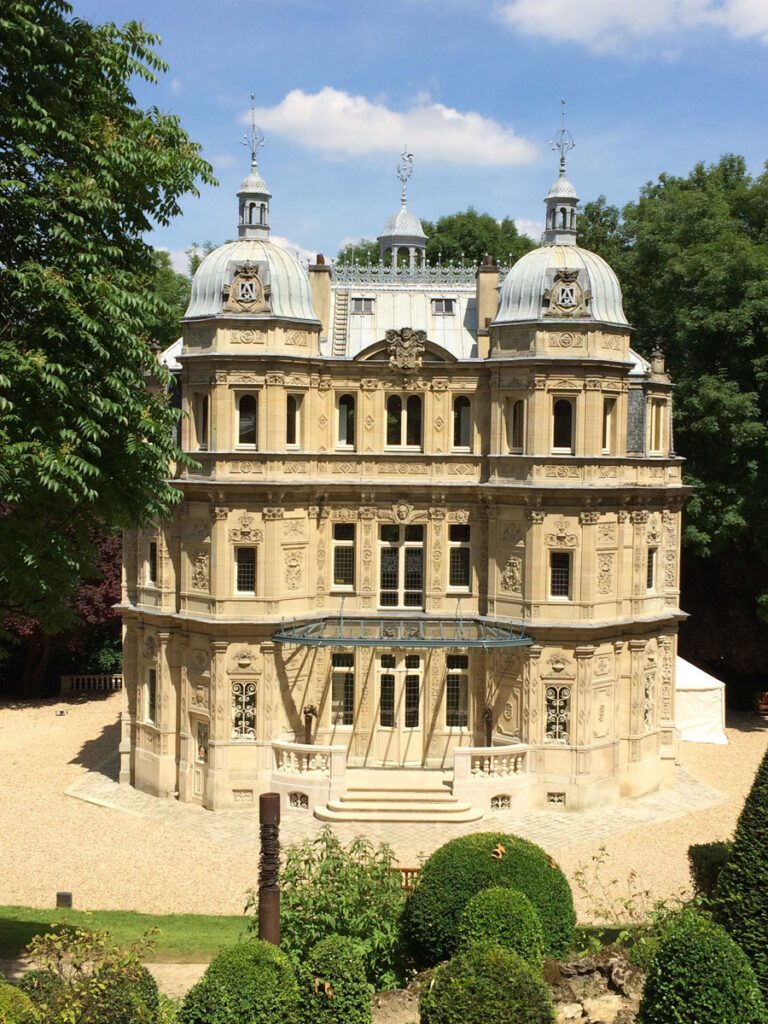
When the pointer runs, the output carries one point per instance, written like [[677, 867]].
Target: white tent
[[699, 705]]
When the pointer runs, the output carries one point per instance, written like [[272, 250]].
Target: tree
[[173, 290], [741, 895], [365, 251], [692, 258], [84, 174], [471, 236]]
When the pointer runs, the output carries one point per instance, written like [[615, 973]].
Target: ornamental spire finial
[[404, 171], [254, 137], [563, 141]]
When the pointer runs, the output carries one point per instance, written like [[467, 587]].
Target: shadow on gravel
[[745, 721], [9, 702], [100, 754]]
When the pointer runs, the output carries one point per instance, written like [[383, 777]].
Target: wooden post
[[269, 868]]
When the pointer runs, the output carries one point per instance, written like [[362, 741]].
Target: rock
[[604, 1010], [568, 1012]]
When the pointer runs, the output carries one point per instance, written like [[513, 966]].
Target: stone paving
[[554, 830]]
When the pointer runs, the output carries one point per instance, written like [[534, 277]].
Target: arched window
[[562, 425], [563, 217], [517, 426], [263, 214], [413, 420], [246, 420], [346, 434], [201, 421], [462, 424], [251, 208], [292, 407], [573, 218], [394, 419]]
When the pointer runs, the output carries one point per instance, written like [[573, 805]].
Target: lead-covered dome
[[283, 283], [561, 282], [403, 224]]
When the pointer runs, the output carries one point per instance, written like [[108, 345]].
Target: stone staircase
[[397, 796], [340, 321]]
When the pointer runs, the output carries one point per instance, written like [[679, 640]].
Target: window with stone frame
[[150, 709], [609, 426], [560, 574], [345, 437], [459, 557], [243, 710], [650, 570], [457, 691], [404, 421], [562, 425], [343, 556], [517, 425], [247, 421], [558, 714], [245, 570], [201, 731], [342, 689], [293, 423], [462, 423], [152, 563], [401, 566]]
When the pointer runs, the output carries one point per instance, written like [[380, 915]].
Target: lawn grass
[[181, 938]]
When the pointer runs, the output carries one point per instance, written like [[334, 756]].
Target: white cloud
[[339, 124], [179, 259], [531, 228], [612, 25], [299, 251]]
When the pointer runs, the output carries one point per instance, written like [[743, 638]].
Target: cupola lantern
[[253, 194], [561, 200]]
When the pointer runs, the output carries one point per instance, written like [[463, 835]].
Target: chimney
[[320, 285], [487, 279]]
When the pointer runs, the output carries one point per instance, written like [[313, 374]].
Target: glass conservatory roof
[[402, 632]]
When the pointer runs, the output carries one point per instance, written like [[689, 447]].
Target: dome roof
[[403, 223], [522, 291], [288, 280], [562, 189], [254, 183]]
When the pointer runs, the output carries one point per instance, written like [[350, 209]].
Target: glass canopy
[[405, 632]]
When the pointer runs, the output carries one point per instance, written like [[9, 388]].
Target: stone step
[[414, 816], [386, 795]]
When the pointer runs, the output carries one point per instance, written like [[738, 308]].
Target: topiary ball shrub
[[486, 984], [506, 918], [15, 1006], [741, 895], [44, 988], [335, 990], [700, 976], [131, 999], [707, 861], [250, 983], [465, 866]]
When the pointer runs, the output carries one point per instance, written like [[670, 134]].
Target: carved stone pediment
[[405, 349]]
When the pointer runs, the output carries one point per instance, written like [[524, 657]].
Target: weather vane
[[563, 141], [404, 171], [254, 137]]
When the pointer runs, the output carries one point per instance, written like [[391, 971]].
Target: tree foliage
[[471, 235], [173, 290], [692, 257], [84, 174], [364, 251]]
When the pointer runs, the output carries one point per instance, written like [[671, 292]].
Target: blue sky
[[472, 87]]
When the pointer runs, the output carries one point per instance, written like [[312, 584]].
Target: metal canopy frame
[[337, 631]]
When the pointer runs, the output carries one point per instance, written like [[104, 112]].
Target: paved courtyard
[[66, 824]]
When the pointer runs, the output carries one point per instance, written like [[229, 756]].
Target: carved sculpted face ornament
[[405, 348]]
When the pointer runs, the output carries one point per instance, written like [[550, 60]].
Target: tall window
[[151, 708], [343, 689], [152, 563], [609, 417], [410, 665], [650, 569], [462, 423], [401, 566], [457, 690], [293, 421], [560, 574], [201, 421], [657, 426], [243, 711], [517, 425], [458, 556], [562, 425], [344, 555], [346, 434], [404, 430], [246, 420], [245, 570]]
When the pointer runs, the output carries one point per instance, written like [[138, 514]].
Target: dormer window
[[443, 307], [361, 307]]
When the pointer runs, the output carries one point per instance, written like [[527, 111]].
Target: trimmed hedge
[[506, 918], [465, 866], [42, 987], [15, 1006], [335, 990], [706, 861], [117, 999], [486, 984], [700, 976], [250, 983], [741, 896]]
